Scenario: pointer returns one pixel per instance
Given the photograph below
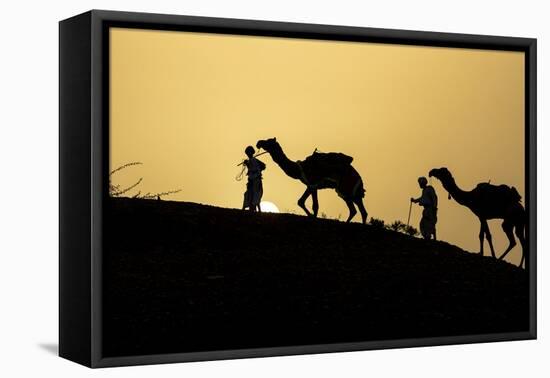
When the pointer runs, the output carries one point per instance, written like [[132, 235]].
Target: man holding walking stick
[[428, 200]]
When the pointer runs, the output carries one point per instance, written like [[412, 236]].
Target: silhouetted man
[[428, 200], [254, 188]]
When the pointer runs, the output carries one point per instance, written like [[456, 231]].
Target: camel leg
[[489, 238], [352, 210], [520, 233], [315, 206], [362, 210], [302, 201], [481, 237], [509, 231], [523, 259], [485, 233]]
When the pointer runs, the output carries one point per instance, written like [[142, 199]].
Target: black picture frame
[[84, 167]]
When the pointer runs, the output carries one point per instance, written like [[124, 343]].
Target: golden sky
[[187, 104]]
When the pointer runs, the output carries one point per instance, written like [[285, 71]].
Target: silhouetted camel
[[490, 202], [316, 174]]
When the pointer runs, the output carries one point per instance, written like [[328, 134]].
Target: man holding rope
[[254, 188], [428, 200]]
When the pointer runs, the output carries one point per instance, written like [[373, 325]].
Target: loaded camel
[[488, 201], [321, 171]]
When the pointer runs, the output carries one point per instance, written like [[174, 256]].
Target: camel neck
[[458, 194], [290, 167]]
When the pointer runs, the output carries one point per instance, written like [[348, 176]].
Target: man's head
[[422, 181], [249, 151]]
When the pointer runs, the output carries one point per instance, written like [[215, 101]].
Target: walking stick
[[410, 208], [260, 154]]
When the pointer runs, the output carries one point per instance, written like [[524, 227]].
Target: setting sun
[[268, 207]]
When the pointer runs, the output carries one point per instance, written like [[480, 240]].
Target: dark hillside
[[187, 277]]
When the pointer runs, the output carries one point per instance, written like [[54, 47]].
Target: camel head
[[268, 145], [442, 174]]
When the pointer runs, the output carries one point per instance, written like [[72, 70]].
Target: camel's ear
[[275, 139]]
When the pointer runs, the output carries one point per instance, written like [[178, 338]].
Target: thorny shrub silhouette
[[118, 191]]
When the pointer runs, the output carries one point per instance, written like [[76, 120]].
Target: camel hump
[[329, 159], [502, 192]]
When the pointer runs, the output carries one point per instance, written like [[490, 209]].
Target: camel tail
[[359, 190]]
